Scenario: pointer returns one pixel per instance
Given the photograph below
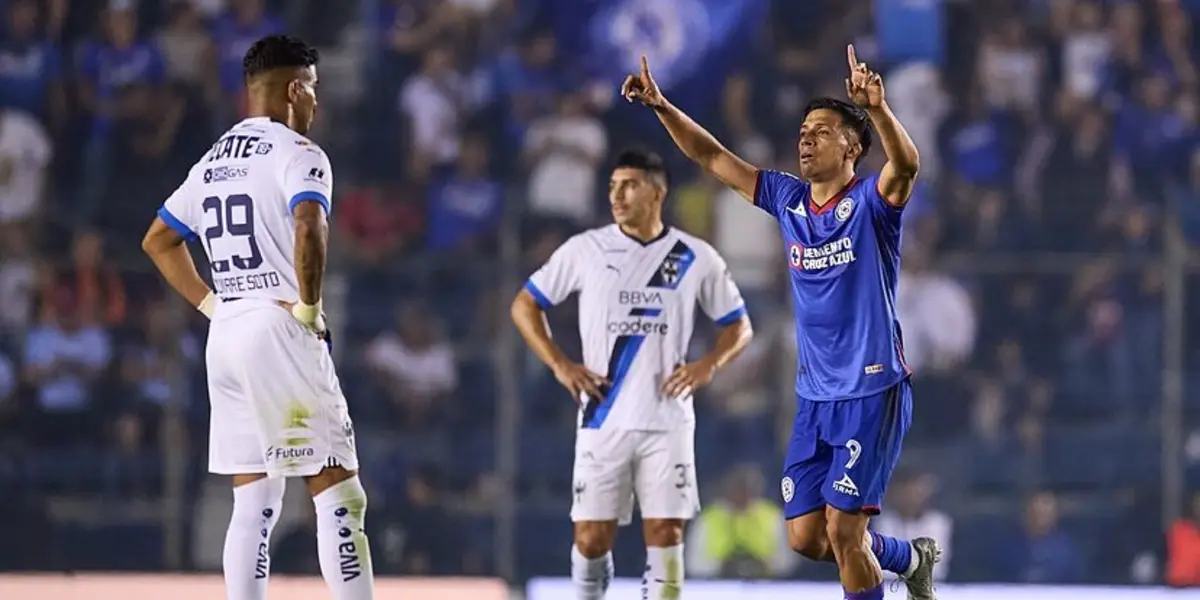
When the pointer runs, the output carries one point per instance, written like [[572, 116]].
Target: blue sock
[[875, 593], [894, 555]]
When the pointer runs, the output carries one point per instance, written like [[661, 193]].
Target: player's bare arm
[[530, 320], [312, 239], [693, 140], [899, 174], [166, 249], [732, 339]]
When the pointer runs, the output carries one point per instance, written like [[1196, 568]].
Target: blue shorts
[[842, 453]]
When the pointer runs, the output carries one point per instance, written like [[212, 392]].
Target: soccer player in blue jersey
[[854, 399]]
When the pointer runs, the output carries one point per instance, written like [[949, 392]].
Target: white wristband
[[307, 313], [208, 305]]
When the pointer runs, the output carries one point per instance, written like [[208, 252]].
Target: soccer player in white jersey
[[639, 282], [258, 202]]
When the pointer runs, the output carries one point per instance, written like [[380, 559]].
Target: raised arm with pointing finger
[[693, 140]]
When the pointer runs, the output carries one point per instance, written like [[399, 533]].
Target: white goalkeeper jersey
[[636, 314], [238, 200]]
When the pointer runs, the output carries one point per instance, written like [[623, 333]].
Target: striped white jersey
[[636, 314], [238, 200]]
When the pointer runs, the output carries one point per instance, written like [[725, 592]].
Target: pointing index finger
[[645, 66], [851, 56]]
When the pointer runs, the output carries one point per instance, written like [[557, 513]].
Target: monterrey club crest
[[673, 267]]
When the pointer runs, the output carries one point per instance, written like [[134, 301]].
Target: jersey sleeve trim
[[732, 316], [538, 296], [309, 196], [758, 185], [184, 231]]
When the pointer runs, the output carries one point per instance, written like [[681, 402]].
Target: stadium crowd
[[1060, 157]]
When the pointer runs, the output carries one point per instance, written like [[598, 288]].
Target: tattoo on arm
[[312, 239]]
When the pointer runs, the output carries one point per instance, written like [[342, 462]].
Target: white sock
[[342, 547], [663, 579], [913, 562], [591, 576], [246, 559]]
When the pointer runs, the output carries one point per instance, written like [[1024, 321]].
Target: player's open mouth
[[806, 156]]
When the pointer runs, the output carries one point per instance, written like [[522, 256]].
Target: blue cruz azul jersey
[[844, 261]]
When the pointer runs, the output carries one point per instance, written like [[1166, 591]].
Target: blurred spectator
[[1086, 46], [108, 67], [153, 371], [1067, 168], [1010, 67], [910, 516], [25, 153], [30, 65], [233, 33], [740, 536], [1097, 353], [189, 55], [378, 222], [743, 392], [936, 313], [209, 9], [1150, 135], [409, 28], [918, 98], [466, 205], [120, 59], [18, 281], [414, 364], [529, 83], [1042, 552], [143, 137], [96, 288], [975, 144], [1129, 53], [65, 358], [1183, 548], [563, 151], [769, 92], [988, 414], [433, 103], [750, 243]]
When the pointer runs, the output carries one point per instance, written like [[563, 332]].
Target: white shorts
[[277, 406], [612, 466]]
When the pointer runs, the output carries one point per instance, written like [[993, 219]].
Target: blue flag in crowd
[[691, 44]]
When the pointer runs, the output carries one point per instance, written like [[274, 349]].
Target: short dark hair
[[644, 160], [853, 118], [278, 52]]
